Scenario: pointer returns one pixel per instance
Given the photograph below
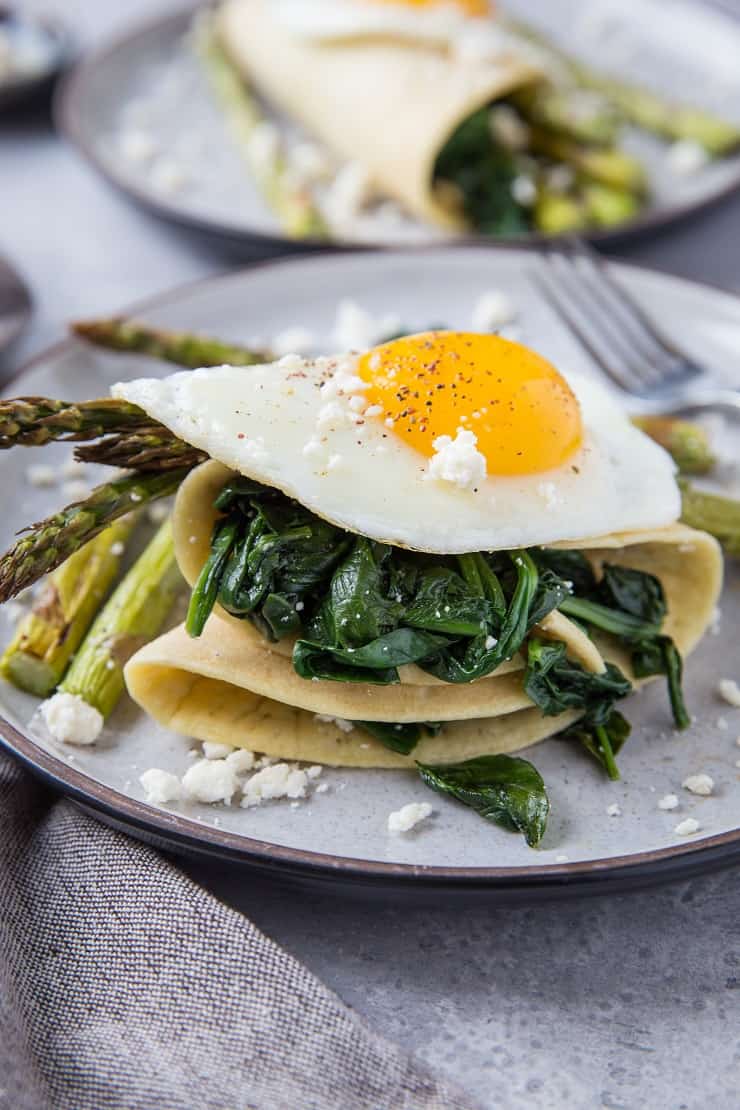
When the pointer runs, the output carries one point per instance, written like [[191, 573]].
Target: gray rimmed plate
[[340, 836], [141, 112]]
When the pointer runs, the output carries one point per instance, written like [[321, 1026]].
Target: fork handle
[[687, 400]]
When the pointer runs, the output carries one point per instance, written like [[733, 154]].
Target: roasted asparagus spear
[[183, 348], [49, 635], [134, 614]]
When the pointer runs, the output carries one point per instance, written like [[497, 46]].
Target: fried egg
[[443, 442], [432, 21]]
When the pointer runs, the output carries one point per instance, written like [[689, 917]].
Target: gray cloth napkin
[[124, 986]]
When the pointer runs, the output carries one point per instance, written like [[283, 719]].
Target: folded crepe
[[233, 686], [388, 103]]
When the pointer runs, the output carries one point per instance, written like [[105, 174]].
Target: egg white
[[274, 423], [339, 19]]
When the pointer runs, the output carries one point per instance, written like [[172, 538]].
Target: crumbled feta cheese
[[322, 788], [457, 460], [71, 720], [263, 145], [330, 416], [699, 784], [161, 786], [728, 689], [137, 146], [300, 605], [687, 827], [613, 810], [686, 157], [355, 329], [308, 162], [241, 760], [281, 780], [210, 780], [167, 176], [561, 858], [341, 724], [314, 770], [117, 548], [41, 475], [158, 512], [406, 818], [508, 128], [492, 310], [722, 724], [524, 190], [75, 490], [293, 341], [213, 750], [348, 192], [668, 801], [491, 641]]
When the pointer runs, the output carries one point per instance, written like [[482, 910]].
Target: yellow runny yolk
[[470, 7], [525, 415]]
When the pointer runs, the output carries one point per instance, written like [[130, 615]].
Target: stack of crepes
[[232, 685], [387, 95]]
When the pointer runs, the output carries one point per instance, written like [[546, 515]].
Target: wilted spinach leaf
[[399, 738], [504, 789]]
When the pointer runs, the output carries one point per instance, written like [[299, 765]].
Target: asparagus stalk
[[671, 121], [183, 348], [49, 635], [605, 165], [46, 545], [134, 614], [34, 421], [685, 441], [639, 106], [557, 213], [710, 512], [298, 215], [579, 114], [607, 206], [148, 449]]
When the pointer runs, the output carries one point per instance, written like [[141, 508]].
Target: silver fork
[[620, 337]]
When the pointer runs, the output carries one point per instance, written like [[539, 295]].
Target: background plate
[[149, 80], [341, 835]]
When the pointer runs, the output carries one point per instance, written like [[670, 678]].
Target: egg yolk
[[470, 7], [525, 415]]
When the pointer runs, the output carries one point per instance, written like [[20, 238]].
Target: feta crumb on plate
[[686, 157], [668, 801], [241, 760], [613, 810], [699, 784], [729, 690], [280, 780], [492, 310], [687, 827], [71, 720], [210, 780], [160, 786], [406, 818], [41, 475], [214, 750], [457, 460]]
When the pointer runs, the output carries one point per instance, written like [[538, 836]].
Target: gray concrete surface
[[628, 1002]]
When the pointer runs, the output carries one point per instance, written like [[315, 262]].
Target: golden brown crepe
[[387, 104], [232, 686]]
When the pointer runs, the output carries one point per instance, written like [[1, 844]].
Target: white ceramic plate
[[149, 81], [342, 833]]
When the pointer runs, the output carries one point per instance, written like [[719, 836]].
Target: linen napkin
[[125, 986]]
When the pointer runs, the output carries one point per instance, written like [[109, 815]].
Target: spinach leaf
[[603, 742], [376, 662], [484, 173], [631, 605], [399, 738], [205, 591], [504, 789], [555, 683], [570, 567]]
